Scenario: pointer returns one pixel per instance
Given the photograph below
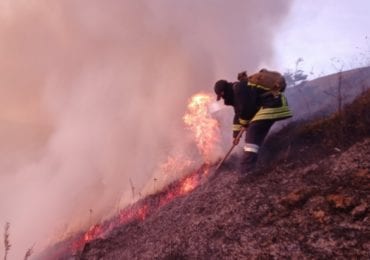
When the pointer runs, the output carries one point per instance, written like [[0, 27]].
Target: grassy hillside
[[310, 199], [306, 141], [322, 96]]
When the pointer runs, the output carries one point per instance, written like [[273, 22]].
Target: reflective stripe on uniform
[[272, 113], [243, 122], [275, 112], [251, 148], [259, 86], [237, 127]]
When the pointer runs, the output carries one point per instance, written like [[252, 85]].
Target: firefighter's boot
[[248, 162]]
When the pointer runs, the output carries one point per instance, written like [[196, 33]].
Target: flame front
[[207, 134], [189, 184], [93, 232], [205, 128], [174, 166]]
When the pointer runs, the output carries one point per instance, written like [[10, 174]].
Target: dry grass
[[28, 253], [326, 136], [7, 244]]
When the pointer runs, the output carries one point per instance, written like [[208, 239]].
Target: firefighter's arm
[[236, 126], [237, 130], [248, 104]]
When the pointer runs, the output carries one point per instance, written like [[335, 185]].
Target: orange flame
[[189, 184], [173, 166], [207, 135], [130, 214], [167, 198], [205, 128], [93, 232], [141, 210]]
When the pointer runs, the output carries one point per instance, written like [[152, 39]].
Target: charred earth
[[310, 199]]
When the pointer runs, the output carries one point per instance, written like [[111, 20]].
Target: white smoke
[[102, 87]]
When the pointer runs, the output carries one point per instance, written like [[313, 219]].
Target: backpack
[[269, 80]]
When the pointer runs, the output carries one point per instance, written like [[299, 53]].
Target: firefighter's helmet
[[220, 87]]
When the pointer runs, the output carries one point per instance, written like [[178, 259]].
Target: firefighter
[[256, 108]]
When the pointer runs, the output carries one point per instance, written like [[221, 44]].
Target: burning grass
[[293, 143], [206, 136], [298, 136], [138, 211]]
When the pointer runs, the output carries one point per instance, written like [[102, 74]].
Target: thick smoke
[[103, 85]]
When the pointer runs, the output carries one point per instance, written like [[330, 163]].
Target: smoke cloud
[[92, 94]]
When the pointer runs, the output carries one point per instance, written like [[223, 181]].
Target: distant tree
[[297, 76]]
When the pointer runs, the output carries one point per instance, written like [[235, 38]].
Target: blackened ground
[[305, 142], [310, 200], [318, 211]]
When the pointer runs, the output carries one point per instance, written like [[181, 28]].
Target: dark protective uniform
[[256, 108]]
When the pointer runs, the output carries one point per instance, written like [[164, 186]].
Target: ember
[[167, 198], [93, 232]]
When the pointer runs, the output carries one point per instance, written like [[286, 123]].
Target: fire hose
[[236, 141]]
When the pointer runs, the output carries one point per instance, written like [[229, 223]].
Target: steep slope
[[305, 141], [323, 95], [310, 200]]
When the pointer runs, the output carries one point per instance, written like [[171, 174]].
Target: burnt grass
[[309, 199], [306, 141]]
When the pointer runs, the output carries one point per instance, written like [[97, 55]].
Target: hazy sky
[[318, 31]]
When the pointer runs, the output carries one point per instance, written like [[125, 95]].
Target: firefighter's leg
[[248, 162], [255, 135]]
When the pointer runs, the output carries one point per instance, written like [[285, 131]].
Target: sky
[[92, 93], [323, 32]]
